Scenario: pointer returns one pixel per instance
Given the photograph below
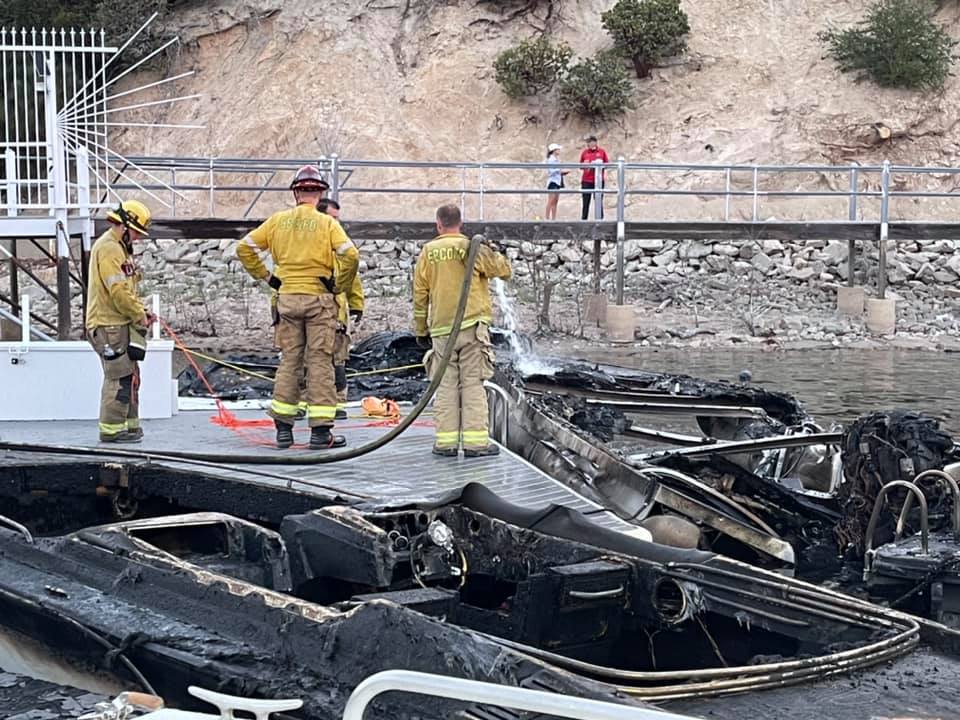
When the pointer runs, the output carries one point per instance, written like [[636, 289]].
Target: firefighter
[[117, 321], [312, 258], [350, 305], [461, 402]]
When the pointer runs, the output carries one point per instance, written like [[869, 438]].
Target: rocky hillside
[[413, 80]]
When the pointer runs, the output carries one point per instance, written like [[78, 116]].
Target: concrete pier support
[[621, 323], [850, 301], [595, 310], [881, 316]]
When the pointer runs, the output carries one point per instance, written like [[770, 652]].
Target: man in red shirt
[[589, 181]]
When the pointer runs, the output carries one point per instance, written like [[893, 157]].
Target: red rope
[[227, 419]]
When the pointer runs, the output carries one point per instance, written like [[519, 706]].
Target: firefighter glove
[[356, 315], [274, 282], [424, 341], [328, 283]]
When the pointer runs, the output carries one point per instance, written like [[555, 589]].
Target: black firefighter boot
[[284, 434], [322, 439]]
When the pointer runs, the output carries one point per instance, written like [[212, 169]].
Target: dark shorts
[[554, 186]]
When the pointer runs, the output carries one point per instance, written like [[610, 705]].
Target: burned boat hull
[[340, 592], [181, 624]]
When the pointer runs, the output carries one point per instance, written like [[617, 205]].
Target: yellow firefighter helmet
[[132, 214]]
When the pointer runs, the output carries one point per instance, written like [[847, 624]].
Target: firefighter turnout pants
[[120, 392], [341, 351], [306, 335], [460, 406]]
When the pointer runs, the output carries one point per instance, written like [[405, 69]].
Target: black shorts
[[554, 186]]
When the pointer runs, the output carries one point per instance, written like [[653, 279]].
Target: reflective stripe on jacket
[[112, 297], [306, 245], [438, 280]]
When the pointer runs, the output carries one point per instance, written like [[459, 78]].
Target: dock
[[404, 470]]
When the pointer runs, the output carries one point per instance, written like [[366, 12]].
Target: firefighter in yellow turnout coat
[[117, 321], [350, 304], [312, 257], [461, 402]]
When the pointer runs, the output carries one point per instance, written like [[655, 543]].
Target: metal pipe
[[481, 192], [852, 217], [875, 516], [25, 319], [335, 177], [28, 272], [14, 319], [954, 490], [621, 264], [12, 185], [473, 691], [704, 677], [740, 446], [14, 272], [682, 408], [47, 254], [726, 192], [504, 405], [16, 308], [112, 57], [756, 201], [4, 520], [211, 188], [598, 179], [884, 229], [259, 194], [155, 304]]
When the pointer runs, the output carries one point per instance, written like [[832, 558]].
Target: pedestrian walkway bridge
[[220, 198]]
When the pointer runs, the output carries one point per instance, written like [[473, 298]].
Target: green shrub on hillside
[[119, 18], [646, 31], [899, 45], [532, 67], [47, 13], [597, 88]]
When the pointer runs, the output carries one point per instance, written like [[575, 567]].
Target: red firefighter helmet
[[309, 179]]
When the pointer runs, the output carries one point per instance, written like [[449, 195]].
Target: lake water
[[834, 385]]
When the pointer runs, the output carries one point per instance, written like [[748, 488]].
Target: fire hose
[[215, 459]]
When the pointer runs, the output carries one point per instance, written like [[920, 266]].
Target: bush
[[597, 88], [532, 67], [899, 45], [646, 31]]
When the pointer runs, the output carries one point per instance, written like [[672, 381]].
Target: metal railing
[[758, 196], [498, 191], [475, 180], [473, 691]]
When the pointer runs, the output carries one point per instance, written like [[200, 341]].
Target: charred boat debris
[[330, 597], [300, 588]]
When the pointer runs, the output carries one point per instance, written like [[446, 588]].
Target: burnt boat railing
[[22, 529], [515, 698], [954, 490], [500, 405], [875, 518]]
